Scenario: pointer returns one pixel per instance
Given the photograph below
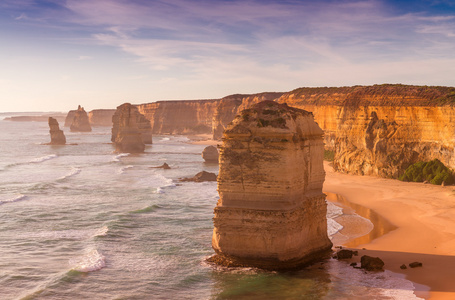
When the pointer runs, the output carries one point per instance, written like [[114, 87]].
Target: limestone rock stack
[[140, 122], [210, 154], [271, 212], [57, 136], [80, 121], [125, 133]]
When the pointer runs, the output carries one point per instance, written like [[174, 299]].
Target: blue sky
[[55, 55]]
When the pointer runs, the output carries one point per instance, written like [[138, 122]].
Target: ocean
[[82, 222]]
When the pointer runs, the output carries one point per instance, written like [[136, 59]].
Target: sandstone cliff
[[126, 133], [101, 117], [57, 136], [80, 121], [271, 212], [137, 120], [382, 129], [180, 117]]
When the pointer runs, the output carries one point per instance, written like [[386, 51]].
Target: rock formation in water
[[230, 106], [210, 154], [140, 122], [163, 166], [69, 118], [271, 212], [57, 136], [201, 177], [101, 117], [127, 137], [80, 121]]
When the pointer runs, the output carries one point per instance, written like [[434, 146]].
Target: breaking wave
[[117, 157], [91, 261], [73, 172]]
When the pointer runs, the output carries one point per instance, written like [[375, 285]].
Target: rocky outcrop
[[230, 106], [57, 136], [210, 154], [140, 122], [164, 166], [271, 212], [69, 118], [101, 117], [80, 121], [127, 136], [179, 117], [201, 177], [370, 263]]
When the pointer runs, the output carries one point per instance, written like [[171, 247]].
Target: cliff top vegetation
[[374, 95]]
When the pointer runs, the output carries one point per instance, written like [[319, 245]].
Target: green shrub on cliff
[[432, 171]]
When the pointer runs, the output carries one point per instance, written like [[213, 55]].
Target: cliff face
[[80, 121], [69, 118], [101, 117], [271, 212], [230, 106], [127, 136], [128, 115], [180, 117], [381, 130], [57, 136]]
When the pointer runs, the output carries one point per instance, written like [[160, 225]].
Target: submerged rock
[[370, 263], [210, 154], [57, 135], [415, 264], [271, 212], [128, 137], [201, 177], [163, 166], [80, 121]]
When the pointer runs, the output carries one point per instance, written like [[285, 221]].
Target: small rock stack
[[57, 135]]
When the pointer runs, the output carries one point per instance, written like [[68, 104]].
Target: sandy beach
[[416, 223]]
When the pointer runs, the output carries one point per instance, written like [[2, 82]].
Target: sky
[[56, 54]]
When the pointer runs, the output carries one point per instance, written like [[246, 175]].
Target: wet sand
[[419, 226]]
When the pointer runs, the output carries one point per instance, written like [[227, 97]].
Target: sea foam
[[43, 158], [91, 261], [73, 172], [14, 199], [117, 157]]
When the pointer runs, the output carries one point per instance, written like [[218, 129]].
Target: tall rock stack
[[80, 121], [125, 132], [140, 121], [57, 136], [271, 212]]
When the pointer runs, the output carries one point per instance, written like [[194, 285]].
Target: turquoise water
[[81, 222]]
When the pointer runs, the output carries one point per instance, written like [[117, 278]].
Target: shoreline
[[424, 217]]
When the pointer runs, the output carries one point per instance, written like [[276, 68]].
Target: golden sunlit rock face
[[80, 121], [271, 212], [126, 134]]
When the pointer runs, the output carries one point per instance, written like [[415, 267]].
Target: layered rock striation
[[271, 212], [140, 122], [80, 121], [126, 134], [382, 129], [57, 135]]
